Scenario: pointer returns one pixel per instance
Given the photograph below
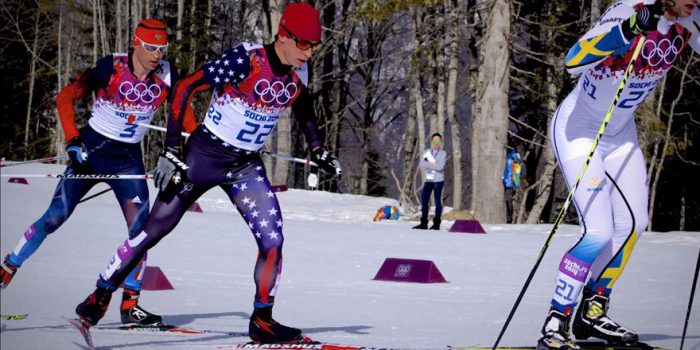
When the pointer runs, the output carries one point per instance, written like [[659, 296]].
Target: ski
[[14, 317], [167, 328], [584, 345], [83, 329], [296, 346]]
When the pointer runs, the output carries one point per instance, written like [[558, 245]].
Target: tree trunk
[[32, 79], [95, 28], [490, 122], [180, 14], [284, 146], [453, 14], [546, 178], [439, 70], [595, 11], [193, 36], [118, 23], [103, 30]]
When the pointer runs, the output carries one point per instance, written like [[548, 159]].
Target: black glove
[[78, 155], [644, 20], [170, 169], [326, 161]]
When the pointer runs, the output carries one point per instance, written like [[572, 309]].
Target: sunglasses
[[152, 48], [302, 44]]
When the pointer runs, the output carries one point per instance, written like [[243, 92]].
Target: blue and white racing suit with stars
[[251, 88], [612, 199]]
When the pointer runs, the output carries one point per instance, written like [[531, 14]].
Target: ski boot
[[592, 321], [94, 307], [263, 329], [133, 314], [423, 225], [7, 271], [555, 332]]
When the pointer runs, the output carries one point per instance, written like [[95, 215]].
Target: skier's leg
[[572, 143], [133, 199], [627, 173], [592, 201], [65, 199], [252, 195]]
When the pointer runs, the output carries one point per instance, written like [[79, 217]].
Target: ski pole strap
[[81, 176]]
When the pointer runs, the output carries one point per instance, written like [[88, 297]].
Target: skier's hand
[[78, 155], [170, 169], [327, 162], [644, 20]]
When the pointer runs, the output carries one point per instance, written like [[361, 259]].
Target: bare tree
[[452, 9], [490, 119]]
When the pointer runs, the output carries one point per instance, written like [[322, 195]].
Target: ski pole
[[94, 195], [567, 202], [160, 128], [290, 158], [40, 160], [272, 154], [690, 302], [82, 176]]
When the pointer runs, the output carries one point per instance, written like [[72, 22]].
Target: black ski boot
[[423, 224], [94, 307], [264, 330], [7, 271], [555, 332], [592, 321], [436, 224], [133, 314]]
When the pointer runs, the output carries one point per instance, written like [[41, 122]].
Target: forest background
[[487, 74]]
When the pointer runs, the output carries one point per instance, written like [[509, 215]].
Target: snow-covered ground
[[332, 251]]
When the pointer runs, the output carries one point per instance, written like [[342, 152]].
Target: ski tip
[[14, 317], [84, 329]]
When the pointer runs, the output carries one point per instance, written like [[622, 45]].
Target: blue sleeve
[[231, 68]]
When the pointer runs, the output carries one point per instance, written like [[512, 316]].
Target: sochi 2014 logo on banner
[[403, 270], [140, 92], [275, 92]]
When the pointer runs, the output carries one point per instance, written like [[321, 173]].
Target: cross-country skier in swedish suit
[[252, 85], [612, 199]]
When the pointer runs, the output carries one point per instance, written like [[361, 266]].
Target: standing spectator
[[433, 163], [511, 180]]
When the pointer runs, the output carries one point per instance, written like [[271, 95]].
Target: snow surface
[[332, 251]]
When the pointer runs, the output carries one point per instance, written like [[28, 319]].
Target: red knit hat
[[302, 21], [152, 31]]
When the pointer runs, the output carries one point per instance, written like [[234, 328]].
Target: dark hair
[[436, 134]]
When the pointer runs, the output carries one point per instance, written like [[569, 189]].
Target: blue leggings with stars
[[242, 176]]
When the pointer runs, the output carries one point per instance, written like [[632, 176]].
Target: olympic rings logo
[[140, 91], [276, 91], [655, 53]]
